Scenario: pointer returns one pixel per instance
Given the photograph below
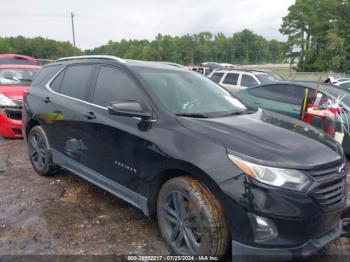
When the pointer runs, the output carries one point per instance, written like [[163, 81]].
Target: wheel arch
[[162, 177], [30, 124]]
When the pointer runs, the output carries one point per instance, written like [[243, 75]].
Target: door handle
[[257, 103], [90, 115], [47, 99]]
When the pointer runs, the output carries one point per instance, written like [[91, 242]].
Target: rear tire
[[191, 219], [39, 152]]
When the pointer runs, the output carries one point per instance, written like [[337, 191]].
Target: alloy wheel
[[38, 152], [182, 223]]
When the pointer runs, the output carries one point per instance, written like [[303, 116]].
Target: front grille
[[13, 113], [331, 190]]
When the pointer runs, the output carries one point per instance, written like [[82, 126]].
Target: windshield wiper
[[240, 113], [25, 79], [197, 115]]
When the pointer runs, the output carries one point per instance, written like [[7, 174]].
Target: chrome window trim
[[47, 86]]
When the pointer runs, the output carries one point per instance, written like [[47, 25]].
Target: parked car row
[[236, 80], [216, 171], [16, 74]]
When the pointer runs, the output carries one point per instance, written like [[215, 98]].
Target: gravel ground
[[65, 215]]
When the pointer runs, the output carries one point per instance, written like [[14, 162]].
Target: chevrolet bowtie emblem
[[341, 170]]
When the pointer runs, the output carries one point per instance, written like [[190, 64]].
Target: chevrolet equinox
[[218, 175]]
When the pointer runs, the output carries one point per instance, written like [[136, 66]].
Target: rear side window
[[76, 81], [45, 74], [113, 84], [216, 77], [279, 93], [231, 79], [56, 83], [248, 81]]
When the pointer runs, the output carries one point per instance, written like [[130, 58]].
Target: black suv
[[173, 143]]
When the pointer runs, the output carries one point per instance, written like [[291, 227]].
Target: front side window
[[115, 85], [216, 77], [248, 81], [76, 81], [231, 79], [188, 93], [12, 76]]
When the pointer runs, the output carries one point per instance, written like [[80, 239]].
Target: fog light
[[263, 228]]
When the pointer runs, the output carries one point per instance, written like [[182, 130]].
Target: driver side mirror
[[128, 108]]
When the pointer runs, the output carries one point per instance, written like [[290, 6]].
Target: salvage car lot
[[65, 215]]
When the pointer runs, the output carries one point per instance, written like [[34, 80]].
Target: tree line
[[241, 48], [37, 47], [318, 35]]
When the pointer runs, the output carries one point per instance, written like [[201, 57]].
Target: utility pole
[[72, 19]]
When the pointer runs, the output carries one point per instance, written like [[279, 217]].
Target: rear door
[[67, 109], [114, 144]]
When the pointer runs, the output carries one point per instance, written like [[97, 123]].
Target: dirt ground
[[65, 215]]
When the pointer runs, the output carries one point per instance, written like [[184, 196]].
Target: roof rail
[[115, 58]]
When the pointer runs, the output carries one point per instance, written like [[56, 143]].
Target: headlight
[[5, 101], [278, 177]]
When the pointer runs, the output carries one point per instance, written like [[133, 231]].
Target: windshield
[[267, 78], [13, 76], [191, 94]]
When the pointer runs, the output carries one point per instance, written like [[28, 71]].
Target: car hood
[[13, 92], [270, 139]]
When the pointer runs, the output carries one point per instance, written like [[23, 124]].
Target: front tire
[[191, 219], [39, 152]]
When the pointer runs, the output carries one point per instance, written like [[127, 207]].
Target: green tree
[[318, 34]]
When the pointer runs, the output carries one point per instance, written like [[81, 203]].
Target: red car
[[14, 80], [14, 59]]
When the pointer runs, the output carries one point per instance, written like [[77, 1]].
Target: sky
[[97, 22]]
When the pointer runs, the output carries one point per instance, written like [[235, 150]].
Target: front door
[[114, 144]]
